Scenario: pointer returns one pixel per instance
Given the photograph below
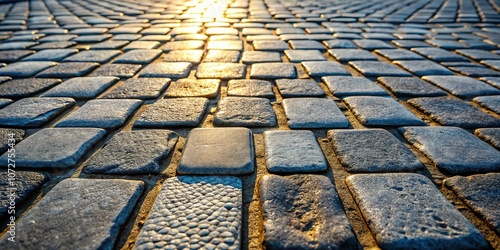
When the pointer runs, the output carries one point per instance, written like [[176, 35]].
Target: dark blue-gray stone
[[350, 86], [81, 87], [245, 111], [21, 187], [346, 55], [410, 87], [26, 87], [423, 67], [313, 113], [273, 71], [69, 69], [489, 135], [100, 56], [51, 55], [462, 86], [490, 102], [25, 69], [323, 68], [174, 112], [299, 88], [139, 88]]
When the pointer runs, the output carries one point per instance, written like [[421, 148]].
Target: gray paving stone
[[313, 113], [250, 88], [69, 69], [55, 147], [17, 45], [306, 45], [20, 188], [489, 135], [90, 227], [462, 86], [26, 87], [340, 44], [293, 152], [4, 79], [478, 54], [231, 152], [53, 45], [377, 69], [140, 56], [351, 86], [494, 64], [447, 44], [245, 111], [440, 55], [81, 87], [202, 212], [404, 210], [250, 57], [481, 193], [410, 87], [4, 102], [494, 81], [297, 56], [270, 45], [101, 56], [9, 56], [475, 71], [453, 150], [324, 68], [177, 112], [423, 67], [139, 88], [133, 152], [118, 70], [372, 150], [192, 56], [299, 88], [312, 198], [33, 112], [9, 133], [208, 88], [346, 55], [142, 45], [221, 70], [398, 54], [55, 55], [381, 111], [167, 70], [109, 45], [25, 69], [183, 45], [371, 44], [490, 102], [273, 71], [101, 113], [222, 56]]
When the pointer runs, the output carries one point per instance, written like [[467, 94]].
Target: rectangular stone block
[[313, 113]]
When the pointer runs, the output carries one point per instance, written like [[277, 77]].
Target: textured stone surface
[[175, 112], [347, 55], [133, 152], [299, 88], [10, 133], [313, 113], [245, 111], [490, 135], [82, 87], [490, 102], [318, 68], [377, 69], [208, 88], [195, 212], [24, 185], [406, 211], [166, 70], [230, 152], [221, 70], [303, 212], [273, 71], [351, 86], [95, 215], [410, 87], [453, 149], [462, 86], [26, 87], [139, 88], [98, 56], [250, 88], [25, 69], [118, 70], [423, 67], [55, 147], [55, 55], [69, 69]]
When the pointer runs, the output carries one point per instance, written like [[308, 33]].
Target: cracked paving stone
[[96, 56], [489, 102], [453, 150], [250, 88], [55, 147], [399, 54], [222, 56], [25, 69], [270, 45], [245, 111], [315, 200], [313, 113], [102, 113], [90, 226], [372, 150], [199, 212], [318, 69], [26, 87], [297, 56], [55, 55], [176, 112], [489, 135], [118, 70], [10, 133], [462, 86], [299, 88], [221, 70], [381, 111], [9, 56], [410, 87], [423, 67], [231, 152], [183, 45], [377, 69], [481, 193], [69, 69], [133, 152], [192, 56], [208, 88], [273, 71], [139, 88], [34, 111], [346, 55], [167, 70], [81, 87], [140, 56], [23, 187], [342, 86], [293, 152], [250, 57], [407, 211]]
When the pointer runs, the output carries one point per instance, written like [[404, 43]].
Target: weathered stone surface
[[34, 111], [490, 102], [260, 57], [250, 88], [452, 112], [133, 152], [273, 71], [96, 56], [398, 54], [118, 70], [177, 112], [26, 87], [245, 111], [25, 69], [139, 88], [140, 56], [293, 152], [381, 111], [102, 113], [208, 88], [372, 150], [423, 67], [303, 212], [299, 88], [69, 69], [221, 70], [231, 152], [406, 211], [98, 208], [9, 56], [20, 186], [347, 55], [351, 86], [202, 212], [324, 68], [167, 70], [410, 87], [55, 55], [453, 149], [55, 147], [489, 135], [81, 87], [297, 56], [313, 113], [192, 56], [5, 135], [222, 56], [377, 69], [462, 86]]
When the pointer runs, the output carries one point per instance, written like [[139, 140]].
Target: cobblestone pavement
[[250, 124]]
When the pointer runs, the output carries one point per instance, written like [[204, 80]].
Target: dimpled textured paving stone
[[250, 88], [372, 150], [315, 69], [139, 88], [313, 113], [376, 69], [410, 87], [166, 70], [81, 87], [25, 69], [103, 113], [350, 86], [133, 152], [303, 212], [293, 152], [490, 102], [423, 67], [462, 86], [452, 112], [34, 111], [481, 193], [55, 147], [231, 152], [196, 212], [26, 87], [299, 88], [273, 71], [221, 70], [245, 111], [490, 135], [177, 112], [453, 149], [381, 111], [90, 226], [208, 88], [24, 185], [406, 211]]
